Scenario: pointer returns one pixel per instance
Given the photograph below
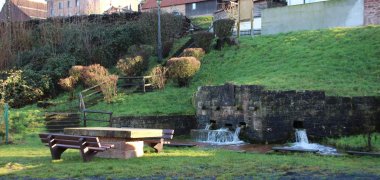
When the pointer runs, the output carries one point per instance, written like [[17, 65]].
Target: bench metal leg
[[87, 155], [57, 152]]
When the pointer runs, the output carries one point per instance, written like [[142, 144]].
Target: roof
[[33, 9], [149, 4], [22, 10]]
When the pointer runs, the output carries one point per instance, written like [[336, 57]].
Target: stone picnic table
[[129, 142]]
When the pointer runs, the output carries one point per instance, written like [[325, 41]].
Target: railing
[[139, 81], [82, 107]]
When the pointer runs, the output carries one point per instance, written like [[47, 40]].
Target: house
[[189, 8], [320, 15], [23, 10], [85, 7]]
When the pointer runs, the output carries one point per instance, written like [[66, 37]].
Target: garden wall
[[181, 124], [271, 116], [371, 12], [312, 16]]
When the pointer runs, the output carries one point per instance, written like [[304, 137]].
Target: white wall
[[320, 15], [296, 2]]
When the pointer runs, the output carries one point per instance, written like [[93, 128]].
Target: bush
[[24, 87], [58, 66], [167, 47], [93, 75], [203, 40], [68, 84], [132, 66], [223, 28], [109, 87], [183, 69], [141, 50], [159, 74], [198, 53]]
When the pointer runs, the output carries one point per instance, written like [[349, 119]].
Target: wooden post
[[238, 23], [252, 17], [84, 118], [6, 122]]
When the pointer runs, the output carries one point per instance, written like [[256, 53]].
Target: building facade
[[65, 8], [23, 10], [190, 8]]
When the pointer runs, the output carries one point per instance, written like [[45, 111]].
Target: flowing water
[[302, 142], [222, 136], [208, 126]]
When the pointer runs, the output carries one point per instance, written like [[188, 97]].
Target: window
[[68, 4], [194, 6], [51, 12], [77, 3], [60, 5]]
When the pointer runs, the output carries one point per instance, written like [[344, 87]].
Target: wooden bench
[[158, 144], [87, 145]]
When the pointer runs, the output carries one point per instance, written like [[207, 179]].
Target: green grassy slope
[[342, 61]]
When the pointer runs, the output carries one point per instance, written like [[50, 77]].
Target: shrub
[[68, 84], [159, 74], [141, 50], [132, 66], [203, 40], [183, 69], [223, 28], [166, 48], [109, 87], [76, 71], [58, 66], [93, 74], [22, 88], [198, 53]]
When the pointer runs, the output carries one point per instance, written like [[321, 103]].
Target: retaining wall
[[271, 116]]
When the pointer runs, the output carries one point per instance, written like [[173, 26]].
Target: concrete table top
[[111, 132]]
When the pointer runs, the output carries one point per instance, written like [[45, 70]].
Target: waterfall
[[222, 136], [301, 136], [236, 134], [302, 142], [208, 126]]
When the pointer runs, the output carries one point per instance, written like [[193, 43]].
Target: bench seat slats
[[70, 137], [71, 142], [66, 146]]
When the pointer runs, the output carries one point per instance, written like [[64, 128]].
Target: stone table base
[[123, 149]]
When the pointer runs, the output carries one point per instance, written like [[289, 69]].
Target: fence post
[[6, 122]]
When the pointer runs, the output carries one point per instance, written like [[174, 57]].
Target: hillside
[[342, 61]]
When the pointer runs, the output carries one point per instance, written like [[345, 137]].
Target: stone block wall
[[181, 124], [271, 116], [371, 12]]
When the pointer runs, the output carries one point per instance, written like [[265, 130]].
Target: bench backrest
[[168, 133], [70, 139]]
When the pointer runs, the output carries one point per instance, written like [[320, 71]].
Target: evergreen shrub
[[182, 69]]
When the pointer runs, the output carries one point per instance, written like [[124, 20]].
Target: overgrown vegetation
[[43, 52]]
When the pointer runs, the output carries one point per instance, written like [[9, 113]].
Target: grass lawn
[[32, 159], [356, 142], [341, 62], [204, 22]]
